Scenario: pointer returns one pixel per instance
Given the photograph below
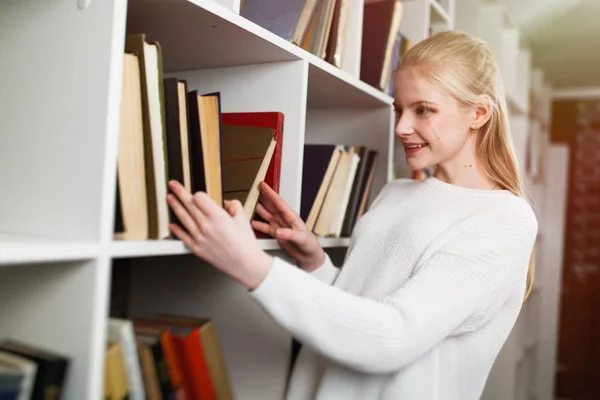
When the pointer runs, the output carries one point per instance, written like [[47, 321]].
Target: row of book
[[165, 357], [320, 27], [336, 187], [168, 132], [30, 372]]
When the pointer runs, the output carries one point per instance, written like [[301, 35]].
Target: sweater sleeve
[[328, 272], [382, 335]]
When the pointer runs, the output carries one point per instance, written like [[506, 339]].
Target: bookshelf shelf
[[23, 249], [152, 248], [330, 87]]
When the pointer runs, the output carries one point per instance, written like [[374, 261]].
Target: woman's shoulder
[[509, 214]]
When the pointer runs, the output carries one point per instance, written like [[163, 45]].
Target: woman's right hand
[[287, 227]]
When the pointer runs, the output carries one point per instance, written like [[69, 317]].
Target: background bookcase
[[60, 103]]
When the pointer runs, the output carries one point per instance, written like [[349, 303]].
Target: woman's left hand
[[222, 237]]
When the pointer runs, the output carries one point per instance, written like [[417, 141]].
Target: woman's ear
[[482, 111]]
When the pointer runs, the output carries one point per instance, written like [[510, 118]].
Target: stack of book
[[31, 372], [166, 357], [317, 26], [320, 27], [336, 187], [168, 132]]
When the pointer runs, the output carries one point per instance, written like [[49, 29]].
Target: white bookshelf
[[61, 89]]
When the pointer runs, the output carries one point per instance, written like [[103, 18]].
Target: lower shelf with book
[[253, 350]]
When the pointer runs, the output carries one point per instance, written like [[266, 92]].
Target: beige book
[[337, 222], [317, 206], [183, 129], [334, 198], [131, 170], [210, 121]]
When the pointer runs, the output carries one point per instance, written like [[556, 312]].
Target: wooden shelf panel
[[21, 249], [151, 248], [199, 34]]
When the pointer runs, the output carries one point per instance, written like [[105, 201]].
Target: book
[[51, 367], [247, 153], [381, 23], [288, 19], [131, 192], [155, 158], [266, 119], [206, 144]]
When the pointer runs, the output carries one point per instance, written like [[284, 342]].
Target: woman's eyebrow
[[429, 103]]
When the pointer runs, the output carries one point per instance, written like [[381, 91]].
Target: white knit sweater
[[430, 289]]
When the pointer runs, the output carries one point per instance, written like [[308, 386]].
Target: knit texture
[[430, 289]]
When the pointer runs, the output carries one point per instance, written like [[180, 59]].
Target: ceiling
[[564, 36]]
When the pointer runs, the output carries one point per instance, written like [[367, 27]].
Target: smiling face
[[432, 126]]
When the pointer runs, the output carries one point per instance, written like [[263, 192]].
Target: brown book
[[381, 22], [155, 157], [247, 153], [131, 171]]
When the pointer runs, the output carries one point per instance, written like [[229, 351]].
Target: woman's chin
[[416, 164]]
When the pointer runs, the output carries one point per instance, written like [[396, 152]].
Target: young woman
[[436, 271]]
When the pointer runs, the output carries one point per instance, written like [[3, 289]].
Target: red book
[[266, 119]]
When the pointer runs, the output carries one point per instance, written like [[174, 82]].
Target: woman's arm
[[446, 296]]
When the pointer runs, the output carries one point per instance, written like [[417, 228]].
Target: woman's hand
[[222, 237], [288, 228]]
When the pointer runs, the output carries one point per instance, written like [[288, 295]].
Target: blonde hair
[[464, 66]]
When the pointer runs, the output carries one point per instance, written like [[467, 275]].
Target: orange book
[[174, 351], [213, 356], [196, 377]]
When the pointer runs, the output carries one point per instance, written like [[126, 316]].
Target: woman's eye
[[423, 111]]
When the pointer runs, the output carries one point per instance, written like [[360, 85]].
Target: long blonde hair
[[465, 67]]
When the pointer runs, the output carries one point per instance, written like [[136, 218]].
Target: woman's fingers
[[263, 227], [278, 207], [183, 215], [291, 235], [264, 213], [186, 199], [182, 235], [206, 205]]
